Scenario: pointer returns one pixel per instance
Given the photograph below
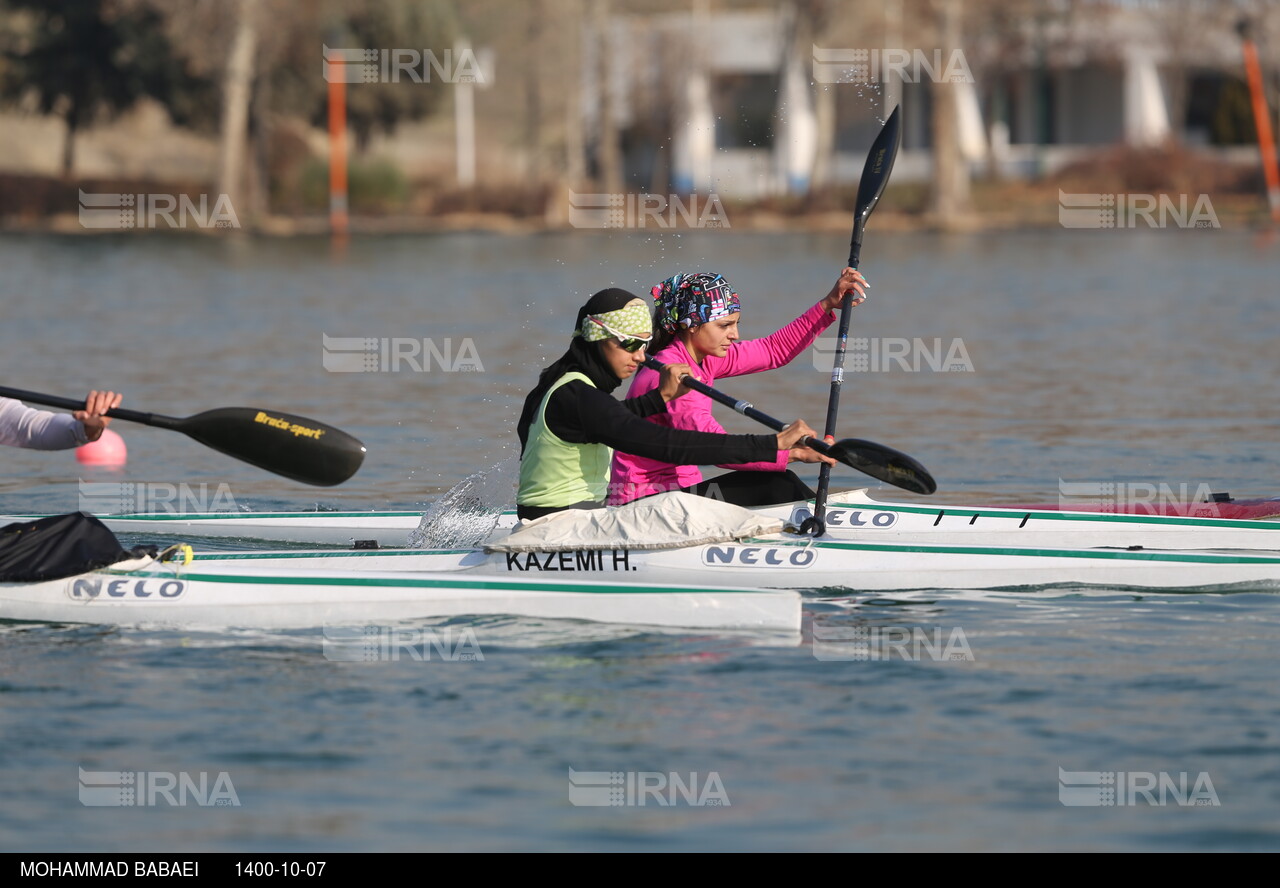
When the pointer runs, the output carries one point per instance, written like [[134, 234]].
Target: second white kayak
[[851, 515]]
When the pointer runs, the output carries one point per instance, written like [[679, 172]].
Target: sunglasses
[[629, 344]]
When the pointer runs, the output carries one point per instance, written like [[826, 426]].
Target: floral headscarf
[[691, 300]]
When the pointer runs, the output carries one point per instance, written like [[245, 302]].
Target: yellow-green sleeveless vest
[[555, 473]]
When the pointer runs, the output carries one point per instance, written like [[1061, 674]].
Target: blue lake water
[[1124, 357]]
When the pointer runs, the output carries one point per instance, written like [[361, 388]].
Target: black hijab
[[582, 356]]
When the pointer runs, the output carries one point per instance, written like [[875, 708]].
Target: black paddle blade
[[875, 175], [293, 446], [884, 464]]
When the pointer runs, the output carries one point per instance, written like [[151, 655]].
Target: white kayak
[[672, 560], [724, 586], [256, 595], [851, 515], [786, 561]]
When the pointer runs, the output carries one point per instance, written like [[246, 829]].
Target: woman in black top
[[568, 426]]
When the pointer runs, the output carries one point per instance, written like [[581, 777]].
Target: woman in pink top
[[697, 319]]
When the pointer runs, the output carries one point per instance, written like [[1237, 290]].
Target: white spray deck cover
[[667, 521]]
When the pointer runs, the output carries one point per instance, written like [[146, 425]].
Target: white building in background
[[729, 102]]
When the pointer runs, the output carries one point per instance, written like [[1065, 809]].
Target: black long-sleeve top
[[582, 414]]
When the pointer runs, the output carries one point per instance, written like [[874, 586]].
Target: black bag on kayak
[[59, 546]]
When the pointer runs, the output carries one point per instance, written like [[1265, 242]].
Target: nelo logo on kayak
[[849, 518], [132, 589], [758, 556], [858, 518]]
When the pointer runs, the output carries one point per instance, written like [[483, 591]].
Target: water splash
[[470, 511]]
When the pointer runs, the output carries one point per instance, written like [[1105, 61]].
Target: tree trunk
[[950, 202], [533, 94], [569, 83], [609, 153], [236, 85], [259, 185], [69, 142], [824, 160]]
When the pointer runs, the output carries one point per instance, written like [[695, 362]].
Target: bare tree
[[608, 150], [237, 86], [533, 122], [950, 197], [82, 59]]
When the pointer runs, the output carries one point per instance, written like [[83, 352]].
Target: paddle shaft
[[880, 462], [837, 376], [151, 419], [875, 175]]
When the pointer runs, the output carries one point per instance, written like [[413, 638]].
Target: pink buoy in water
[[108, 450]]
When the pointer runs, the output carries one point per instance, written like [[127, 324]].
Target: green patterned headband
[[631, 321]]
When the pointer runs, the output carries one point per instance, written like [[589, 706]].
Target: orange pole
[[337, 149], [1262, 121]]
